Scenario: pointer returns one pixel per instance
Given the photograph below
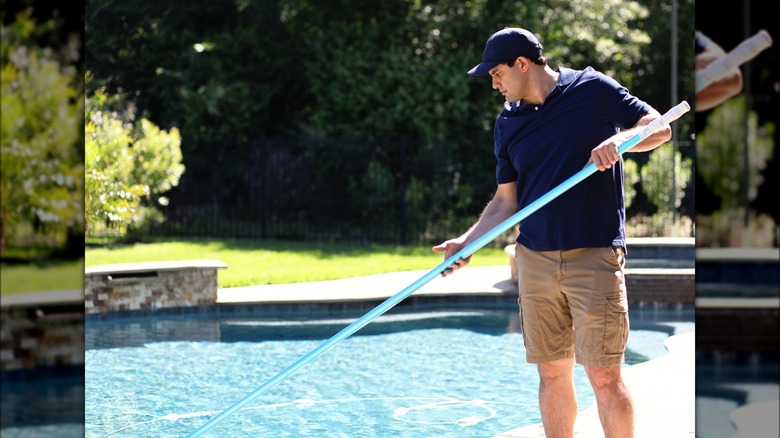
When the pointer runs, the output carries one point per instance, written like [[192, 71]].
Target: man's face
[[508, 80]]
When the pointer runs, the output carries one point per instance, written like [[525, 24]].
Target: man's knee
[[604, 377], [557, 369]]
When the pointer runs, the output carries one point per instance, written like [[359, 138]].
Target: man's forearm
[[654, 140], [495, 212]]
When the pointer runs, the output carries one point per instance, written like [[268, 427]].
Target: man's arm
[[500, 208], [606, 153]]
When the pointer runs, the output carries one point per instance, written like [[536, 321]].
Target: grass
[[41, 276], [257, 262]]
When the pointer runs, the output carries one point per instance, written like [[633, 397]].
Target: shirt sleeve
[[505, 172], [622, 108]]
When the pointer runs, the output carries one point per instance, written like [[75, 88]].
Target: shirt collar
[[565, 78]]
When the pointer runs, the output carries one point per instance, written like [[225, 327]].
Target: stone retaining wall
[[150, 286], [739, 331], [36, 335]]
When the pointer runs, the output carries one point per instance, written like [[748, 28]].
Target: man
[[726, 87], [570, 253]]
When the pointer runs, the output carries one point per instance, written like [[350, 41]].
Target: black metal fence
[[346, 190], [356, 190]]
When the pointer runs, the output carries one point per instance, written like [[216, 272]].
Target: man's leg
[[557, 399], [596, 291], [615, 405], [548, 336]]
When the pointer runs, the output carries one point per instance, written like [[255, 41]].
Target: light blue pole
[[468, 250]]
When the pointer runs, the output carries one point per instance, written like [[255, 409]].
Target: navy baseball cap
[[505, 45]]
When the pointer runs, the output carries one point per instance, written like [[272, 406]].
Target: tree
[[721, 148], [41, 107], [632, 178], [724, 139], [126, 164], [664, 178]]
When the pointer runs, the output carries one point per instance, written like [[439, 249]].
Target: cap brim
[[483, 68]]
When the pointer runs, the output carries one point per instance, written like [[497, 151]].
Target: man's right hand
[[449, 248]]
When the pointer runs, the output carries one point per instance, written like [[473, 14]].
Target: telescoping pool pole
[[744, 52], [653, 127]]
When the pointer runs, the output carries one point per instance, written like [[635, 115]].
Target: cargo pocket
[[615, 325]]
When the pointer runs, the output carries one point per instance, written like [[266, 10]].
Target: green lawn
[[256, 262], [41, 276]]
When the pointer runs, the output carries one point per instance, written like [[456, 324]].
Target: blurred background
[[42, 220], [737, 256], [737, 167]]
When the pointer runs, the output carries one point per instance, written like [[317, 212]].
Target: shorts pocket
[[615, 325], [520, 314], [618, 257]]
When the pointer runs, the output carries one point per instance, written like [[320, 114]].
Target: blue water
[[45, 402], [722, 388], [442, 374]]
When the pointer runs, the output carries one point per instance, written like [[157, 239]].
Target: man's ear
[[522, 61]]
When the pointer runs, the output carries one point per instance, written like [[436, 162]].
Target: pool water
[[723, 388], [44, 402], [438, 374]]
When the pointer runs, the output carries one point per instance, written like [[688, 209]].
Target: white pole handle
[[671, 115], [744, 52]]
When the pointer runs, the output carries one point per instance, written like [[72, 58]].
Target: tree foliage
[[228, 70], [249, 82], [665, 177], [631, 178], [41, 112], [725, 141], [125, 165]]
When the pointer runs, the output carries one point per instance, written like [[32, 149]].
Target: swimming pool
[[43, 403], [407, 374], [723, 388]]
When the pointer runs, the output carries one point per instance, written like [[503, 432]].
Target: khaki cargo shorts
[[573, 303]]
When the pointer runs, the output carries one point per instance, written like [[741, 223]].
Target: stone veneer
[[42, 330], [738, 330], [150, 286], [661, 285]]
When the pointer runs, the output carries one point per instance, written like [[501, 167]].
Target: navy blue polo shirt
[[540, 146]]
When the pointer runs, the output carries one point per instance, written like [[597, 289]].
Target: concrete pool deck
[[482, 281], [663, 389]]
